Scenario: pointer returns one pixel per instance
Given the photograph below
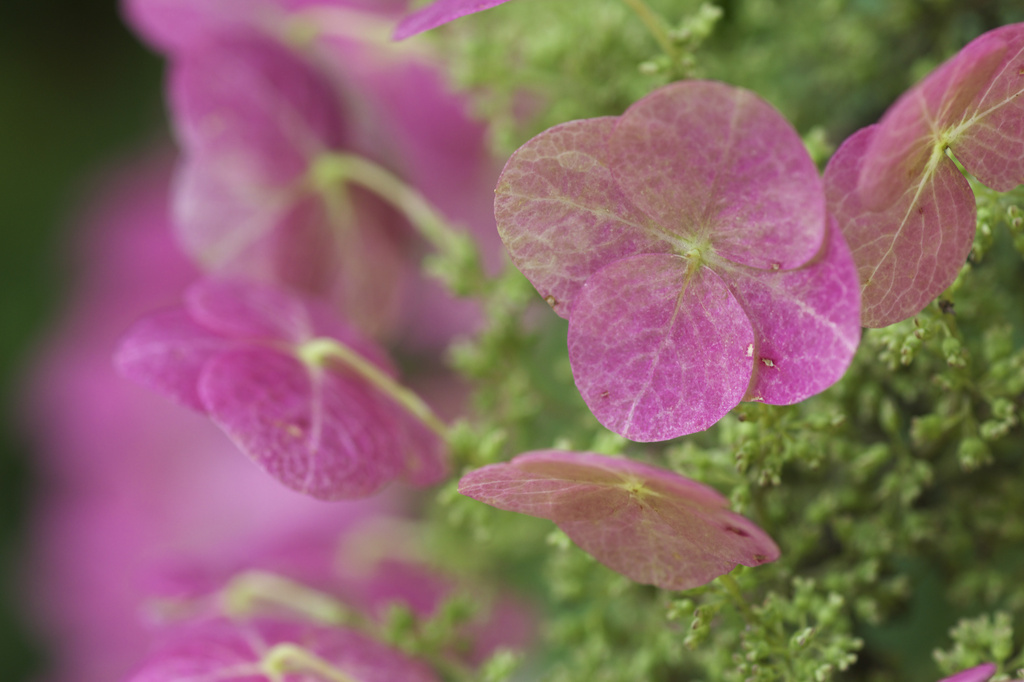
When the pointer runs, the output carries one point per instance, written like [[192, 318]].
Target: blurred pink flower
[[131, 483], [260, 92]]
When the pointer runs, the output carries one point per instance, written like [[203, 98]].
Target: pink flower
[[651, 525], [307, 397], [260, 117], [133, 486], [903, 205], [687, 243]]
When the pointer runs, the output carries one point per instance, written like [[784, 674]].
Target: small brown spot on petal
[[551, 300], [760, 558], [737, 531]]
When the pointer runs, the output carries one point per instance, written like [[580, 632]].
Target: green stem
[[245, 592], [335, 167], [316, 351], [733, 588], [284, 658], [654, 24]]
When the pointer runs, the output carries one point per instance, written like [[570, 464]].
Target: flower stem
[[733, 588], [288, 657], [462, 258], [316, 351], [654, 24], [246, 592]]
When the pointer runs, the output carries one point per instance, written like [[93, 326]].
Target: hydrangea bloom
[[649, 524], [904, 207], [308, 398], [440, 12], [687, 243]]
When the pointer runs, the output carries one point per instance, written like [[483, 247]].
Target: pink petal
[[562, 215], [652, 525], [806, 322], [233, 652], [323, 433], [177, 25], [224, 211], [440, 12], [979, 673], [244, 310], [906, 137], [167, 352], [992, 146], [907, 254], [657, 353], [716, 165], [249, 102]]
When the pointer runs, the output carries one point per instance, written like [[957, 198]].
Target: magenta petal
[[650, 524], [906, 137], [250, 103], [980, 673], [320, 432], [246, 310], [992, 145], [907, 254], [715, 163], [235, 652], [176, 25], [438, 13], [167, 352], [806, 322], [656, 352], [223, 207], [561, 213]]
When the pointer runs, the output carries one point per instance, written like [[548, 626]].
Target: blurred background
[[78, 93]]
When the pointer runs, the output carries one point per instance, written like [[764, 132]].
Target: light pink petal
[[225, 211], [251, 310], [650, 524], [249, 102], [176, 25], [225, 651], [979, 673], [246, 310], [562, 215], [716, 165], [907, 254], [425, 454], [992, 145], [440, 12], [806, 322], [656, 352], [319, 432], [907, 135], [167, 352]]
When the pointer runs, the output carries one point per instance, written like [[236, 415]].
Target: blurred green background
[[77, 93]]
